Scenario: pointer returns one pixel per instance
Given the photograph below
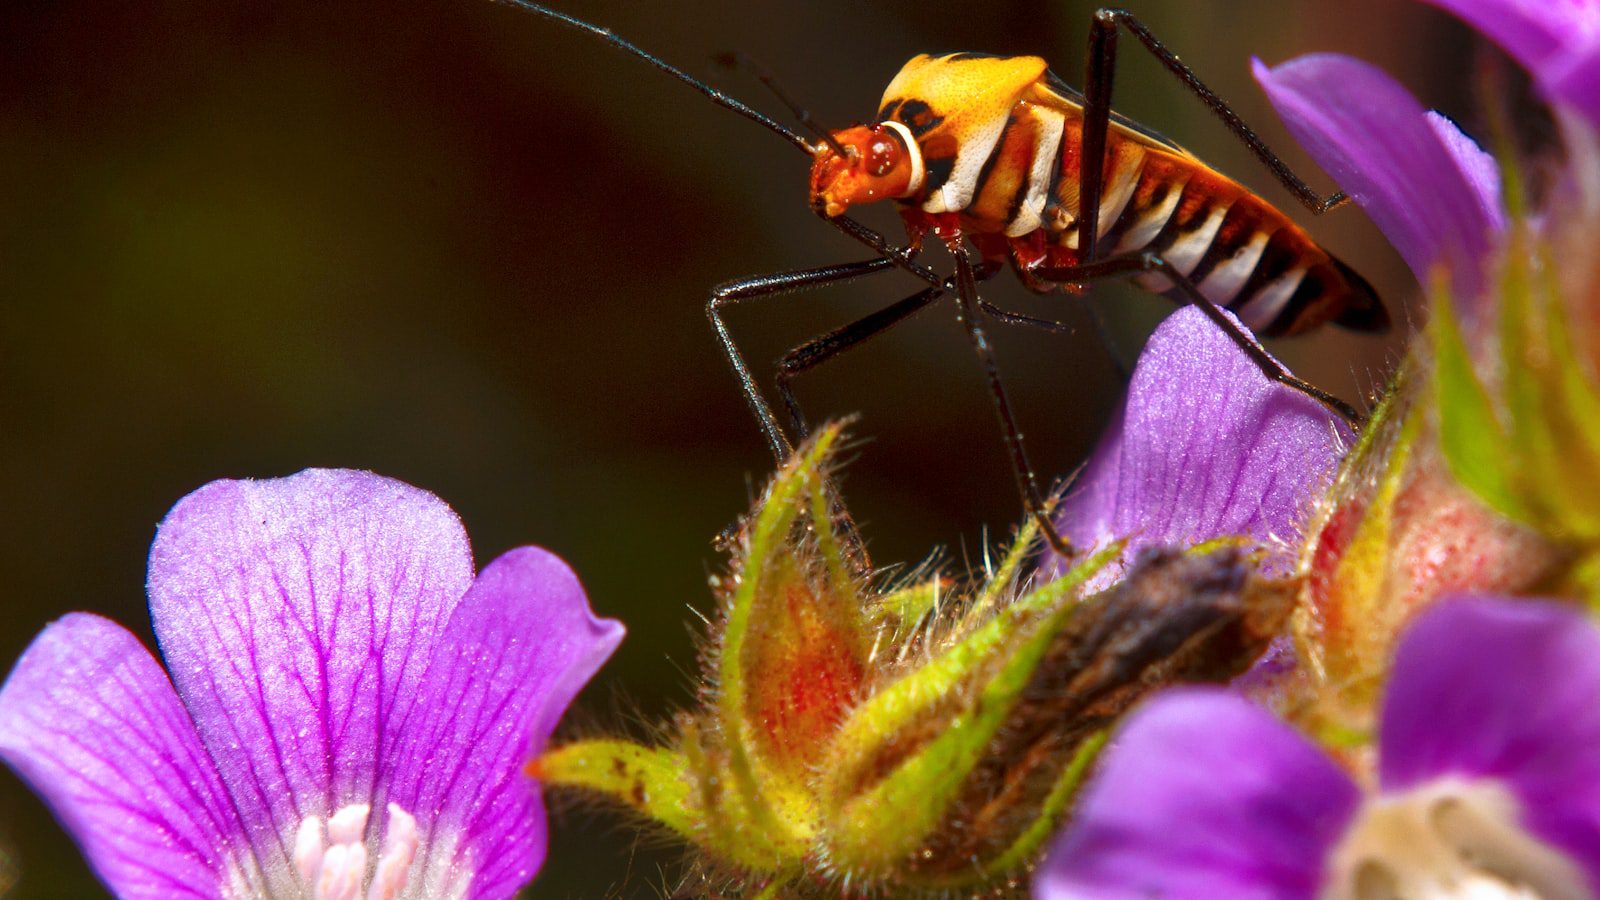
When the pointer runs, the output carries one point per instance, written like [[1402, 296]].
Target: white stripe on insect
[[1264, 308], [956, 193], [918, 171], [1116, 195], [1030, 215], [1230, 275], [1150, 224]]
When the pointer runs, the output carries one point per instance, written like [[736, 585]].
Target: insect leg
[[1102, 54], [1010, 318], [904, 258], [823, 348], [734, 292], [1027, 485], [1145, 261]]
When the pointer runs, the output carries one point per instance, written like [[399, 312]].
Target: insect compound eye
[[883, 154]]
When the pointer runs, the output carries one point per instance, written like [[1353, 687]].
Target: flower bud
[[840, 739]]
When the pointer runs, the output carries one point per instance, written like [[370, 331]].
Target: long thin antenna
[[711, 93], [738, 60]]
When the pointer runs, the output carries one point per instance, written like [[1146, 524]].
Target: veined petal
[[1207, 447], [90, 720], [516, 652], [297, 616], [1435, 199], [1202, 795], [1509, 690]]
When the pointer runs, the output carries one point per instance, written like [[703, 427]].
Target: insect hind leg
[[1139, 263], [1098, 79]]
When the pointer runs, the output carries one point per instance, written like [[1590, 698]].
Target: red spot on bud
[[804, 669]]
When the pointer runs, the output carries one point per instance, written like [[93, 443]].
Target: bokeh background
[[466, 248]]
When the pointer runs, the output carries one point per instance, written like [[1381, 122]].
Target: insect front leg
[[776, 285], [823, 348], [1101, 70], [1027, 484], [1007, 317]]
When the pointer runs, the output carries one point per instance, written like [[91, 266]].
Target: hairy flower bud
[[924, 737]]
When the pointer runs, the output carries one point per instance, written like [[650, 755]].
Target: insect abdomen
[[1240, 251]]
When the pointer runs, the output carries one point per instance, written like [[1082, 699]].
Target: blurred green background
[[466, 248]]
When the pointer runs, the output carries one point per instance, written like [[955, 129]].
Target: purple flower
[[1488, 778], [352, 708], [1204, 447], [1427, 186], [1557, 40]]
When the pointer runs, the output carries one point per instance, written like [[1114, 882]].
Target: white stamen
[[343, 868], [335, 866], [1448, 839], [308, 849], [347, 825], [399, 848]]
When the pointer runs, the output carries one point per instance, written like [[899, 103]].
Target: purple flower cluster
[[348, 712]]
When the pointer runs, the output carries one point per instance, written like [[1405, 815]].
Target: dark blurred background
[[466, 248]]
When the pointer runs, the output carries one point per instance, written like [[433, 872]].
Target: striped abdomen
[[1240, 251]]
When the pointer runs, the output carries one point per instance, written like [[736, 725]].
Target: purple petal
[[297, 616], [1202, 795], [1437, 200], [1206, 447], [521, 646], [1575, 80], [1533, 31], [89, 719], [1557, 40], [1507, 690]]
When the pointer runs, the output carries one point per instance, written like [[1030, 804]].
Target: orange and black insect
[[999, 153]]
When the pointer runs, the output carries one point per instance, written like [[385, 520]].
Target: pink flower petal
[[1201, 794], [297, 616], [89, 719], [1433, 193], [516, 652], [1504, 689], [1204, 447], [1533, 31]]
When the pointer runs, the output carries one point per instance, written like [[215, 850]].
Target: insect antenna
[[738, 60], [711, 93]]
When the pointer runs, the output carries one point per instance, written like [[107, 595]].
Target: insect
[[999, 154]]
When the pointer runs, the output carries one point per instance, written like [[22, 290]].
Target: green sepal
[[1474, 442], [883, 824], [766, 629], [653, 780], [987, 669], [902, 609], [1525, 446]]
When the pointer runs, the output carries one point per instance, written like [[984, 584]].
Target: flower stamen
[[335, 867], [1448, 839]]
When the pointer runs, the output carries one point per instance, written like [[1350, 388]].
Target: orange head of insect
[[878, 161]]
